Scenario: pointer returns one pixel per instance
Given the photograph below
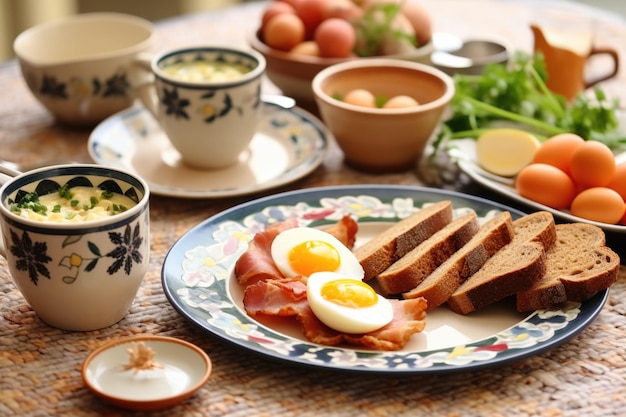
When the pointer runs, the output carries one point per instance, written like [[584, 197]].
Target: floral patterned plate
[[198, 280], [289, 144]]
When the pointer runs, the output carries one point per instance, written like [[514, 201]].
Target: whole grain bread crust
[[379, 253], [515, 268], [578, 266], [445, 279], [406, 273]]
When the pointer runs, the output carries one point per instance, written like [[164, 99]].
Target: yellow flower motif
[[79, 87], [72, 261], [76, 260], [459, 351], [207, 111], [238, 323], [241, 236], [208, 261]]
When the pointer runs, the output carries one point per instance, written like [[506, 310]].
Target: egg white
[[283, 243], [346, 319]]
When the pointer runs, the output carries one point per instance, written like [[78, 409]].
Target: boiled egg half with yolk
[[302, 251], [346, 304]]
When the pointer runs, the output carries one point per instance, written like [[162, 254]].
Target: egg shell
[[547, 185], [421, 21], [618, 183], [343, 9], [592, 164], [312, 14], [307, 48], [506, 151], [599, 204], [346, 319], [360, 97], [558, 150], [400, 102], [285, 241], [335, 38], [276, 8], [283, 32]]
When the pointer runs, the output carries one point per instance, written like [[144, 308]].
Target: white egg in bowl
[[347, 304], [302, 251]]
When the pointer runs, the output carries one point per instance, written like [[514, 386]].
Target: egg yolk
[[314, 256], [349, 293]]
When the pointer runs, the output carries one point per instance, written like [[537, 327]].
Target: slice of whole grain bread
[[445, 279], [578, 266], [516, 267], [406, 273], [379, 253]]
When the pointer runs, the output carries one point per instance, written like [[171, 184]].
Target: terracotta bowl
[[375, 139], [293, 74]]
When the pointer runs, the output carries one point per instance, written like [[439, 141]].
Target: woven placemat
[[40, 371]]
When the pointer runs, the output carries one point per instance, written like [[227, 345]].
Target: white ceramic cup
[[210, 122], [81, 68], [77, 276]]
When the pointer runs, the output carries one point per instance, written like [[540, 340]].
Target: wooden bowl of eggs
[[299, 38], [382, 111]]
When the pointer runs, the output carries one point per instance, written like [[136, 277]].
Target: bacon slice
[[345, 231], [276, 297], [408, 318], [287, 298], [256, 263]]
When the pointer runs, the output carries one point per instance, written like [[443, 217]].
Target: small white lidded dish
[[146, 373]]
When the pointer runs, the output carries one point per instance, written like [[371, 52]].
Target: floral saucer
[[289, 144]]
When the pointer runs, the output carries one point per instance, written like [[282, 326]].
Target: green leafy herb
[[517, 93], [375, 25], [29, 201], [65, 193]]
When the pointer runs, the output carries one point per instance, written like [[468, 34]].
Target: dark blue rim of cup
[[50, 179], [250, 58]]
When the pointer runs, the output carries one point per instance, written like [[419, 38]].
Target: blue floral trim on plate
[[198, 287]]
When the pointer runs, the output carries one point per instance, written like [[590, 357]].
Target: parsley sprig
[[516, 93]]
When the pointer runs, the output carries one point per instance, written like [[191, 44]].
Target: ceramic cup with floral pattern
[[82, 67], [76, 274], [207, 100]]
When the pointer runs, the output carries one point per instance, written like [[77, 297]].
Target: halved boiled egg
[[346, 304], [306, 250]]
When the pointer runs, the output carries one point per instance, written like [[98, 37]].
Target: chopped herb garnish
[[106, 194], [74, 203], [30, 201], [65, 193], [56, 208]]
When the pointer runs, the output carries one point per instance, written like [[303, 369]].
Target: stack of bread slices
[[454, 260]]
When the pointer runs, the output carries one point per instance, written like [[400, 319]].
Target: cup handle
[[612, 53], [145, 90]]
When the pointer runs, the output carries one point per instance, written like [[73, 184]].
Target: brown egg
[[284, 31], [399, 102], [276, 8], [421, 21], [343, 9], [599, 204], [547, 185], [335, 38], [308, 48]]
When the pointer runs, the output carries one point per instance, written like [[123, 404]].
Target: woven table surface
[[40, 365]]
